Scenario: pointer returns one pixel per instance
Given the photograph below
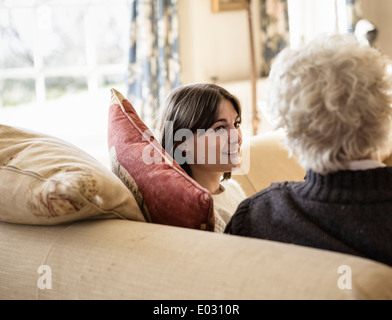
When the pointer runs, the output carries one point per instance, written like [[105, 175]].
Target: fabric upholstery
[[45, 180], [117, 259], [170, 196]]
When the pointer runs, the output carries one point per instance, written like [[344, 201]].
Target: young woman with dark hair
[[200, 129]]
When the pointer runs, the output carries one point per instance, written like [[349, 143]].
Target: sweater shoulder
[[244, 216], [275, 187]]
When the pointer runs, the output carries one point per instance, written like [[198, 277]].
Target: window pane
[[62, 36], [16, 38], [63, 45], [59, 86], [18, 91], [114, 80], [111, 24]]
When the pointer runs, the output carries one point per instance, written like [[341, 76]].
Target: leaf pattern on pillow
[[58, 201], [59, 205], [88, 187]]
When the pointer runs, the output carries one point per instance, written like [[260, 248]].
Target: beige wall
[[379, 12], [213, 44]]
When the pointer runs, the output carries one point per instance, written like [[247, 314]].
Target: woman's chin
[[236, 165], [235, 160]]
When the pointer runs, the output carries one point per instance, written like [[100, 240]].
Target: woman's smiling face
[[218, 148]]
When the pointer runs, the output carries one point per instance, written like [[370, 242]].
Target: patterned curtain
[[154, 65], [275, 34], [354, 12]]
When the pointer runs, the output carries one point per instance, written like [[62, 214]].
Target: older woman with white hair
[[333, 99]]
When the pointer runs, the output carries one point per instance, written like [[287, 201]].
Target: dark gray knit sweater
[[347, 211]]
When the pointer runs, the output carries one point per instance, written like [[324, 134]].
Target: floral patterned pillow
[[46, 181], [169, 195]]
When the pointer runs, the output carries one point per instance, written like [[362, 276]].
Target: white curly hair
[[333, 99]]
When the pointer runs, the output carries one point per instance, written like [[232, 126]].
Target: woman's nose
[[235, 136]]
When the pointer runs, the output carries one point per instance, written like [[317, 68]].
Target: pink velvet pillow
[[169, 195]]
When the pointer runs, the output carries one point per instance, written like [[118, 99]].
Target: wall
[[379, 13], [214, 45]]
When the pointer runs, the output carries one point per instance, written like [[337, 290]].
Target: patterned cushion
[[170, 196], [46, 181]]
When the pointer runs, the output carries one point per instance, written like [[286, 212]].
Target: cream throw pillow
[[45, 180]]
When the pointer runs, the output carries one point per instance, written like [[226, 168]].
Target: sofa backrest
[[266, 160], [120, 259]]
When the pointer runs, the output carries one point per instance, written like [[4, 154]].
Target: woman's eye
[[237, 124], [219, 128]]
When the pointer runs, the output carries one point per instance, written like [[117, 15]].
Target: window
[[58, 61], [51, 48], [308, 18]]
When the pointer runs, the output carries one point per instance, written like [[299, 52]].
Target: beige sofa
[[123, 259]]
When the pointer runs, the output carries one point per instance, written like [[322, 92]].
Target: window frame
[[92, 71]]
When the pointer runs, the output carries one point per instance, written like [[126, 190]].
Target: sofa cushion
[[45, 180], [170, 196], [270, 162]]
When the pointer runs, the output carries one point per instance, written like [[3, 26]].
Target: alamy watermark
[[45, 279], [345, 281]]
